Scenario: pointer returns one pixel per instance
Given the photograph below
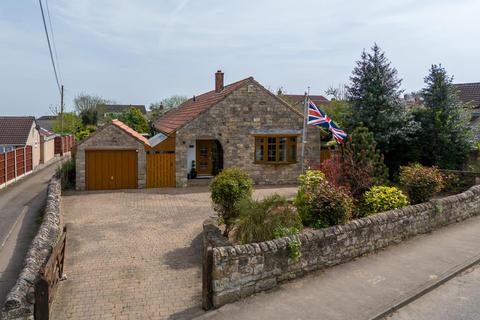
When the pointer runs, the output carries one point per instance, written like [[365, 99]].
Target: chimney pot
[[219, 81]]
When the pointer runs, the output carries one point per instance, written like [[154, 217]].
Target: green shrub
[[453, 182], [228, 189], [320, 203], [66, 174], [294, 245], [383, 198], [259, 219], [308, 182], [420, 183]]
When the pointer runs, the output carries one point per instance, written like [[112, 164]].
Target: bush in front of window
[[228, 189], [259, 219]]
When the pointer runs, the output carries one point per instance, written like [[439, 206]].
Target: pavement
[[458, 299], [20, 206], [367, 286], [135, 254]]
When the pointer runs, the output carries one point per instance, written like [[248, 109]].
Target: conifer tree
[[374, 93], [446, 136]]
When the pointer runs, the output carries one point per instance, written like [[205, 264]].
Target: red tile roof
[[178, 117], [469, 93], [15, 130], [130, 131], [298, 98]]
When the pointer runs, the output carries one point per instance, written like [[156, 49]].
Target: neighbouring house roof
[[118, 108], [15, 130], [299, 98], [47, 122], [46, 133], [469, 93], [130, 131], [190, 109]]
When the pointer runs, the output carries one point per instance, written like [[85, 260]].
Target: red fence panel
[[2, 168], [15, 163], [29, 159], [10, 165], [20, 161]]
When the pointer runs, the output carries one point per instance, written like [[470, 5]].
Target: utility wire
[[50, 47], [53, 42]]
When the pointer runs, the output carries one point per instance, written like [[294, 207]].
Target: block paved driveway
[[135, 254]]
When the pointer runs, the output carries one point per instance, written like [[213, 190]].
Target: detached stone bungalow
[[239, 125]]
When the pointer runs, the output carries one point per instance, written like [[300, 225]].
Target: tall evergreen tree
[[374, 93], [446, 137]]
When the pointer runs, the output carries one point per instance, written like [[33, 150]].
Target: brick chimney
[[218, 81]]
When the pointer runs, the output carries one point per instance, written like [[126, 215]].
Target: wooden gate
[[50, 275], [160, 169]]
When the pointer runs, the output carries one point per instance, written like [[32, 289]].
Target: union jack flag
[[319, 118]]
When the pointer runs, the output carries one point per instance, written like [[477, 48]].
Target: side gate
[[50, 275], [160, 169]]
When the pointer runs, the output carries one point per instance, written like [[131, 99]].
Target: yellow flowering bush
[[382, 198]]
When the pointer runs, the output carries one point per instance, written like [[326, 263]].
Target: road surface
[[20, 205]]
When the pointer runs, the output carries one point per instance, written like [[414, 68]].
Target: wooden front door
[[111, 169], [204, 157]]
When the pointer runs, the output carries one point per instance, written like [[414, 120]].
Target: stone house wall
[[241, 270], [233, 121], [110, 137]]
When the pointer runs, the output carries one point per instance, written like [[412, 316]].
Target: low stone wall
[[241, 270], [466, 178], [20, 301]]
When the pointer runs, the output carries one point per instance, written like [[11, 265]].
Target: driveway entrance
[[135, 254]]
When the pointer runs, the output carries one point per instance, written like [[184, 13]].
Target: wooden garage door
[[111, 169], [160, 169]]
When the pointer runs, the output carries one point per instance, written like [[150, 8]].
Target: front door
[[204, 157]]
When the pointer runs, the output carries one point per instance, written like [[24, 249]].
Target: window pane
[[293, 149], [259, 149], [282, 149], [272, 149]]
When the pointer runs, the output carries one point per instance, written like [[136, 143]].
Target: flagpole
[[304, 137]]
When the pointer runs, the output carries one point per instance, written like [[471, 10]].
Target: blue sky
[[142, 51]]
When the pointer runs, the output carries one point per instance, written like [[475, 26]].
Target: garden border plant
[[241, 270]]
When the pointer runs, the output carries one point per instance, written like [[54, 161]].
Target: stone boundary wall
[[19, 303], [238, 271], [468, 178]]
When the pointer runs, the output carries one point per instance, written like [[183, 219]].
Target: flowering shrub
[[382, 198], [420, 183], [320, 203], [332, 168]]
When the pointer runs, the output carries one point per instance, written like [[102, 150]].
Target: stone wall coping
[[230, 250], [19, 303]]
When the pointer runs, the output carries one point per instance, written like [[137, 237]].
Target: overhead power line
[[50, 47], [54, 44]]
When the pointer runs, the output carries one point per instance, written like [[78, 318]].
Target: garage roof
[[130, 131]]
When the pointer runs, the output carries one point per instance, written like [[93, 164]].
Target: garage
[[113, 157], [111, 169]]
